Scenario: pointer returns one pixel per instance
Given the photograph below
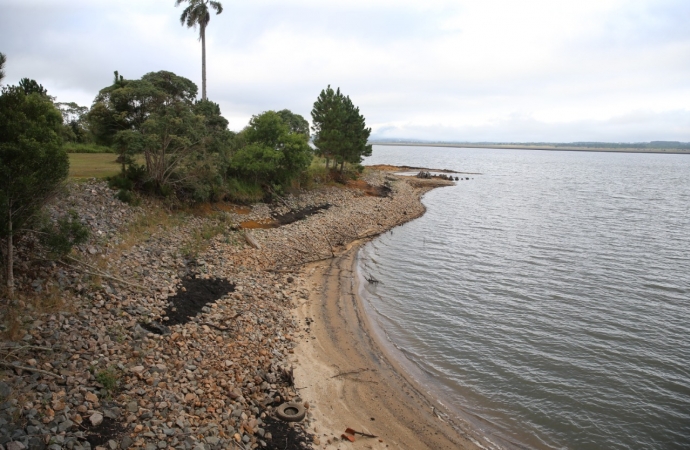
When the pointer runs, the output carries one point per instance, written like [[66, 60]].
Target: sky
[[462, 70]]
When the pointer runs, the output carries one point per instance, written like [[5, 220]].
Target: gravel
[[212, 382]]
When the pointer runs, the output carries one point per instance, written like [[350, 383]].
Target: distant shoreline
[[541, 147]]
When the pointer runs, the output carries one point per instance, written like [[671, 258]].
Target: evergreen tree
[[3, 60], [32, 160], [340, 131]]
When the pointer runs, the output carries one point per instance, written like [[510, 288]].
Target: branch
[[31, 369]]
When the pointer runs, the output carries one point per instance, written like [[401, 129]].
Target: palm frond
[[217, 6]]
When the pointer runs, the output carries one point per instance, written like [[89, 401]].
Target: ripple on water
[[550, 295]]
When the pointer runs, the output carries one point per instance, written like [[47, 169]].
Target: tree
[[30, 86], [32, 161], [295, 122], [183, 141], [274, 153], [340, 131], [198, 14], [73, 116], [3, 60]]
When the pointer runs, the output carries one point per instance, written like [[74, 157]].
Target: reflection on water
[[550, 295]]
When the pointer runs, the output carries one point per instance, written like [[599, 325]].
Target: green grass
[[93, 165]]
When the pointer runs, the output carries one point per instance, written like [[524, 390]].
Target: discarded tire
[[291, 412]]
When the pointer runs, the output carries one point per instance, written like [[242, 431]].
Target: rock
[[96, 419], [5, 390], [15, 445], [90, 397], [132, 407], [36, 443], [66, 425], [126, 442]]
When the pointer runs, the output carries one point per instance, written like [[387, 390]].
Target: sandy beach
[[352, 382]]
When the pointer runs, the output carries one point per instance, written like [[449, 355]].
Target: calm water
[[549, 295]]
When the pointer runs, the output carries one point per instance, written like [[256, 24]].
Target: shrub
[[244, 191], [60, 237]]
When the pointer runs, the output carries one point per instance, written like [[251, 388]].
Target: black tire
[[291, 412]]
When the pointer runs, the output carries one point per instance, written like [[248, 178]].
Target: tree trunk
[[342, 164], [10, 259], [203, 61], [327, 161]]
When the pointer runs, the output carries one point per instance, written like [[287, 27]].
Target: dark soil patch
[[194, 294], [286, 436], [382, 191], [299, 214], [107, 430]]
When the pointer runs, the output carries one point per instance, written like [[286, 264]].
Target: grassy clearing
[[93, 165]]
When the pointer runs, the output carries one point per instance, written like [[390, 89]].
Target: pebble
[[198, 380]]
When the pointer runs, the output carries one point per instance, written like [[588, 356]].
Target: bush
[[244, 192], [60, 237], [126, 196], [73, 147], [108, 378]]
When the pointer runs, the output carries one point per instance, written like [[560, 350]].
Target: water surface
[[549, 295]]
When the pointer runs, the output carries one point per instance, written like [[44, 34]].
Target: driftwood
[[351, 372], [372, 280], [11, 350], [251, 240], [99, 273], [31, 369]]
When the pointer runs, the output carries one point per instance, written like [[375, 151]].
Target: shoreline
[[351, 379], [217, 379], [541, 147]]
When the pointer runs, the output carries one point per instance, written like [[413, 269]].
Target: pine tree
[[340, 131]]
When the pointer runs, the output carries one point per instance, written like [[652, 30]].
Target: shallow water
[[549, 295]]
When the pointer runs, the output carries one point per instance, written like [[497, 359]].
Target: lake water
[[549, 296]]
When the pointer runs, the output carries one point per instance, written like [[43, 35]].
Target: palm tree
[[197, 13]]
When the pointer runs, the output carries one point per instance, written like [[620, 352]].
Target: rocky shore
[[99, 361]]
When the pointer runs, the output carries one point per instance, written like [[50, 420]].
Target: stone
[[14, 445], [132, 407], [91, 397], [126, 442], [66, 425], [96, 419], [5, 390], [36, 443]]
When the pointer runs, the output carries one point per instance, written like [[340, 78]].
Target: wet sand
[[350, 380]]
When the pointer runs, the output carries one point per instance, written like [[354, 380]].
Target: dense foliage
[[274, 153], [188, 151], [32, 160], [340, 131]]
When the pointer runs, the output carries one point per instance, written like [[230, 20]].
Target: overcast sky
[[466, 70]]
